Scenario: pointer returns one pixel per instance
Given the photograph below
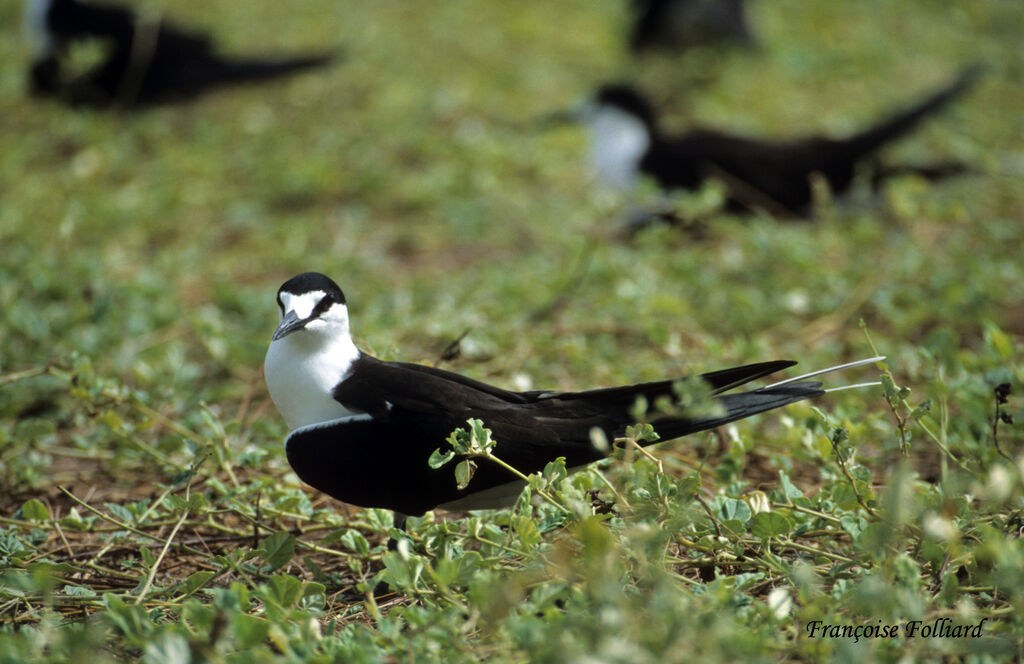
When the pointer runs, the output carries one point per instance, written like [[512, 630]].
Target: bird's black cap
[[312, 281], [627, 98]]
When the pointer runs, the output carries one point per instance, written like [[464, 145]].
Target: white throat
[[618, 141], [302, 369]]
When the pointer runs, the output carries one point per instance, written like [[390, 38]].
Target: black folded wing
[[379, 458]]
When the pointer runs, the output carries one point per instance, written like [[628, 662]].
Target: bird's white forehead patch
[[303, 303]]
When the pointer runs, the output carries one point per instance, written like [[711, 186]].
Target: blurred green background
[[149, 245]]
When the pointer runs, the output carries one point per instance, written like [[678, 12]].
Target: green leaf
[[197, 502], [73, 520], [249, 630], [445, 572], [79, 591], [889, 389], [769, 524], [200, 617], [844, 496], [282, 589], [950, 589], [481, 436], [460, 440], [689, 485], [789, 490], [468, 564], [130, 620], [182, 476], [53, 569], [921, 409], [437, 459], [113, 421], [555, 470], [195, 581], [121, 512], [314, 596], [735, 525], [999, 341], [34, 510], [733, 508], [464, 473], [175, 503], [853, 525], [526, 529], [642, 433], [167, 648], [353, 539], [277, 549]]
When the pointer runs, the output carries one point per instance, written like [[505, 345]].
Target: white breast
[[301, 371], [618, 141]]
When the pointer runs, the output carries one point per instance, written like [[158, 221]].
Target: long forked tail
[[905, 120], [744, 404], [626, 395]]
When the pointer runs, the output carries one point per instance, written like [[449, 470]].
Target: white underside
[[302, 370]]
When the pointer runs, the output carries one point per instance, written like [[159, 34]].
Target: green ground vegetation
[[146, 508]]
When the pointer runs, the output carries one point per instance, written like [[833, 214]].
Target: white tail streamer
[[840, 367]]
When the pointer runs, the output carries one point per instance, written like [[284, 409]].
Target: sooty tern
[[145, 62], [681, 24], [363, 429], [773, 175]]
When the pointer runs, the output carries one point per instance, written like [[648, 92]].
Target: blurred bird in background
[[681, 24], [773, 175], [144, 62]]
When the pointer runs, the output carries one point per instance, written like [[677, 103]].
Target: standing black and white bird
[[362, 430], [774, 175], [145, 62]]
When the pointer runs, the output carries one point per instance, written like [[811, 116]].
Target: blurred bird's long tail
[[906, 120], [258, 69]]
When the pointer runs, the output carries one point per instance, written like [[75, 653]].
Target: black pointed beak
[[290, 323]]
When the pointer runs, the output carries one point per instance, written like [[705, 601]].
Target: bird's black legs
[[400, 520]]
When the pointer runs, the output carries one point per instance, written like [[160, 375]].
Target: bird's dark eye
[[323, 305]]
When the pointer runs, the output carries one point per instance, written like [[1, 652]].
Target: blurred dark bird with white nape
[[773, 175], [363, 430], [146, 60]]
